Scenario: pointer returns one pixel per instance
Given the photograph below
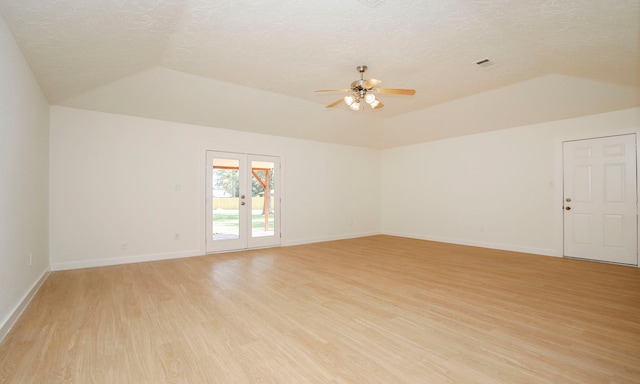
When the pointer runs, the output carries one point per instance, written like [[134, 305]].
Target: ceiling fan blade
[[380, 105], [334, 103], [370, 83], [334, 90], [397, 91]]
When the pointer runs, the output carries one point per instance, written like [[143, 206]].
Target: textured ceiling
[[292, 47]]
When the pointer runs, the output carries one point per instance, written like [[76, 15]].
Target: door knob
[[568, 208], [242, 196], [568, 199], [243, 203]]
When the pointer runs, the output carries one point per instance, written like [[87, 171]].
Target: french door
[[600, 199], [242, 201]]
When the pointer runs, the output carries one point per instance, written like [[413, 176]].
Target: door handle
[[568, 208], [568, 199], [243, 203], [242, 196]]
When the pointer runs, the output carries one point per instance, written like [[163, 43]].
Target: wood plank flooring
[[379, 309]]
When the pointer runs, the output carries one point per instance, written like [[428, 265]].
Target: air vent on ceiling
[[485, 63]]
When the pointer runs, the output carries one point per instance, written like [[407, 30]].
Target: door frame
[[203, 168], [558, 181]]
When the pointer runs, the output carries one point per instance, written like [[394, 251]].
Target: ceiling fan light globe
[[348, 100], [370, 98], [374, 103], [355, 106]]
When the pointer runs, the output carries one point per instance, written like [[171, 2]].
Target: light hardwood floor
[[371, 310]]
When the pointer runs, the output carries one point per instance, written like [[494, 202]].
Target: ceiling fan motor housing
[[358, 86]]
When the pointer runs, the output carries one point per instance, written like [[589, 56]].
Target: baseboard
[[22, 305], [123, 260], [481, 244], [328, 238]]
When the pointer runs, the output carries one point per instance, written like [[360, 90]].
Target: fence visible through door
[[243, 203], [600, 199]]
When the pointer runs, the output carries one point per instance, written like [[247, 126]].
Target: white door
[[243, 203], [600, 199]]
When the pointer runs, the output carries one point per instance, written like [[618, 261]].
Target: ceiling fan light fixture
[[348, 100], [374, 103], [355, 105], [370, 98]]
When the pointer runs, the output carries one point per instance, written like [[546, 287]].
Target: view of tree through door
[[243, 208]]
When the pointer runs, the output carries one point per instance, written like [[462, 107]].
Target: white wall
[[24, 137], [113, 178], [500, 189]]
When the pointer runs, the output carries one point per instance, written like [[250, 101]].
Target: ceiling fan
[[365, 90]]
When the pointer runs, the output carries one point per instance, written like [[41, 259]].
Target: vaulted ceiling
[[254, 64]]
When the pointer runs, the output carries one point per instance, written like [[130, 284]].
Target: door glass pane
[[262, 199], [226, 199]]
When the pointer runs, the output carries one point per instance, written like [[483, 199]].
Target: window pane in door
[[226, 199], [262, 199]]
